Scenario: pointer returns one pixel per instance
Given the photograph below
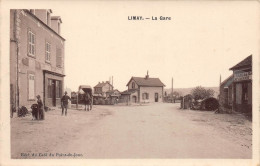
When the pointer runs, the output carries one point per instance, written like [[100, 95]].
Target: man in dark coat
[[64, 103], [40, 108]]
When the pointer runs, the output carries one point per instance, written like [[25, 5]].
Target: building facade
[[36, 57], [102, 88], [242, 86], [145, 89]]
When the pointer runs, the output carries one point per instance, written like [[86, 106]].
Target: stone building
[[102, 88], [145, 89], [36, 57]]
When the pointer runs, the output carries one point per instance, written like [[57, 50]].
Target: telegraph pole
[[172, 90]]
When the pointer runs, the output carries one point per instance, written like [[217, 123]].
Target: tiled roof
[[141, 81], [244, 63], [101, 84]]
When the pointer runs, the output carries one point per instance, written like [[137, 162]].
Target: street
[[156, 130]]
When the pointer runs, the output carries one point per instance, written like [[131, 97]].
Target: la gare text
[[149, 18]]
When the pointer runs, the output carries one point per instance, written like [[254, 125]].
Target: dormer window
[[133, 85]]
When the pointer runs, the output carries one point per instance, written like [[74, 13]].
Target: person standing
[[40, 108], [64, 103]]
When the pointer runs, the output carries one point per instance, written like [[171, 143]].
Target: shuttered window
[[145, 96], [58, 58], [48, 52], [31, 43], [31, 86]]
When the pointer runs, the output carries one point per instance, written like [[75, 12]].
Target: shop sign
[[242, 76]]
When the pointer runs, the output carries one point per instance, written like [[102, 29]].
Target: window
[[31, 87], [48, 52], [133, 85], [145, 96], [58, 58], [58, 89], [49, 88], [31, 43]]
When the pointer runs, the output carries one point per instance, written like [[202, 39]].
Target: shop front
[[242, 86]]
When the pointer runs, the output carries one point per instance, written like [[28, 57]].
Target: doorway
[[156, 97], [134, 98], [53, 84]]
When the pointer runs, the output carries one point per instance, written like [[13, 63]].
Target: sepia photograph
[[131, 80]]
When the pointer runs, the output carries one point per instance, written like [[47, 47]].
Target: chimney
[[55, 23], [147, 75]]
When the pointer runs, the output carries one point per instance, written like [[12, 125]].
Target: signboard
[[242, 76]]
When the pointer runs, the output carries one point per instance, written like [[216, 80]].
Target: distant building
[[102, 88], [36, 57], [113, 93], [242, 86], [144, 89]]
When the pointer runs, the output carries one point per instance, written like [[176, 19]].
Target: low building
[[145, 89], [102, 88], [225, 94], [242, 86]]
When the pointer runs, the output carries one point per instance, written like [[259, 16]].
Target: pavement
[[159, 130]]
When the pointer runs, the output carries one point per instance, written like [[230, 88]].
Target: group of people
[[37, 109]]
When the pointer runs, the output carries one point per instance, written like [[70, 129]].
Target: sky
[[202, 41]]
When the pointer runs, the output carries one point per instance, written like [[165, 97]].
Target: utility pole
[[219, 86], [172, 90]]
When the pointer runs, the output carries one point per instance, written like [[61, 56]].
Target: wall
[[28, 64], [106, 88], [130, 85], [151, 91]]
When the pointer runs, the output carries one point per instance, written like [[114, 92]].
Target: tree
[[201, 93]]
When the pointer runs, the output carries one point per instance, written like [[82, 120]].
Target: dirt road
[[150, 131]]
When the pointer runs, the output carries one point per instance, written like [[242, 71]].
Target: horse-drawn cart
[[87, 96]]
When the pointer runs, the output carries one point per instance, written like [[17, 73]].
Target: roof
[[28, 12], [128, 92], [56, 18], [247, 62], [101, 84], [227, 81], [84, 87], [141, 81]]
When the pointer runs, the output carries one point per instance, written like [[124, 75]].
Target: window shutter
[[58, 58]]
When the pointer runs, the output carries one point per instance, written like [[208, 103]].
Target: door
[[134, 99], [53, 93], [156, 97]]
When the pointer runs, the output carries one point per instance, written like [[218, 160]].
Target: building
[[145, 89], [102, 88], [36, 57], [242, 86], [225, 92], [113, 93]]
